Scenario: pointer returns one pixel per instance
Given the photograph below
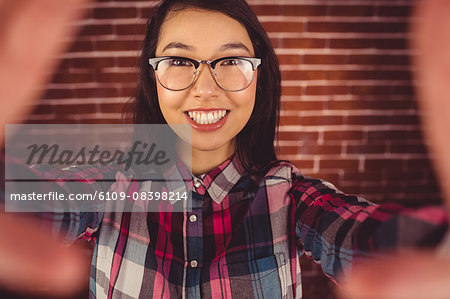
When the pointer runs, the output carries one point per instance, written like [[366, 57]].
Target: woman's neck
[[204, 161]]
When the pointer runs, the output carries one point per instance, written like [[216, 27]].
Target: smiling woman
[[212, 143], [243, 98]]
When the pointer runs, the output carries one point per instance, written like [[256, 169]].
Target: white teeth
[[207, 118]]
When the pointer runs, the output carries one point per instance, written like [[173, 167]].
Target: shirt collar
[[217, 182], [220, 180]]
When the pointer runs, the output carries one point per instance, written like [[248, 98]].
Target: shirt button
[[192, 218], [197, 183], [194, 263]]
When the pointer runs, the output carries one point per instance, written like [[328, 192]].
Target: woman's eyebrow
[[178, 45], [232, 46]]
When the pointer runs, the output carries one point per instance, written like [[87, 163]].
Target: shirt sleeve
[[65, 221], [335, 228]]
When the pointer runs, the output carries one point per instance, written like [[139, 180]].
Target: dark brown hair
[[255, 143]]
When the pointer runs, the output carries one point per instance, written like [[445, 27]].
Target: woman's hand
[[31, 37], [31, 34], [422, 274]]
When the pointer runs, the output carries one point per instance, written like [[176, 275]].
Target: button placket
[[194, 258], [193, 218], [194, 263], [197, 183]]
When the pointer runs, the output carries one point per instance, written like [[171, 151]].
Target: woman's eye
[[230, 62], [179, 62]]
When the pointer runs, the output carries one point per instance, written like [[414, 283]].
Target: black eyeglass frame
[[253, 60]]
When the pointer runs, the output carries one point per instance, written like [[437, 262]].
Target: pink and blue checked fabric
[[243, 237]]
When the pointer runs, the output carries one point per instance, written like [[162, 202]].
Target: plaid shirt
[[243, 237]]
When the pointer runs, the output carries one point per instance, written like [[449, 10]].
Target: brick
[[390, 43], [127, 61], [424, 188], [73, 78], [347, 43], [338, 164], [325, 59], [360, 27], [111, 108], [93, 30], [364, 43], [75, 109], [303, 10], [145, 12], [327, 90], [289, 10], [97, 62], [321, 120], [383, 190], [115, 12], [287, 150], [362, 176], [43, 121], [343, 135], [366, 149], [298, 135], [394, 11], [304, 75], [354, 10], [398, 176], [64, 66], [302, 105], [403, 90], [423, 163], [118, 45], [99, 121], [387, 135], [383, 163], [43, 109], [291, 91], [370, 90], [378, 59], [130, 29], [320, 150], [96, 92], [126, 92], [366, 120], [58, 94], [122, 77], [81, 46], [391, 105], [283, 26], [347, 105], [302, 43], [404, 120], [410, 136], [289, 120], [369, 75], [289, 59]]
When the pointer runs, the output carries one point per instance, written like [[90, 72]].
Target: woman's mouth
[[204, 117], [207, 120]]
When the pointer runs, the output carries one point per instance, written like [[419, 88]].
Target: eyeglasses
[[230, 73]]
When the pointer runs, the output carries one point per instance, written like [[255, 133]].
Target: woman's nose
[[205, 85]]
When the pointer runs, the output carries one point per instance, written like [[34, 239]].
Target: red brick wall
[[349, 113]]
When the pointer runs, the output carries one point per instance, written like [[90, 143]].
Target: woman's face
[[206, 35]]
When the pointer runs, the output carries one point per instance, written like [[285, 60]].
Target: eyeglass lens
[[231, 74]]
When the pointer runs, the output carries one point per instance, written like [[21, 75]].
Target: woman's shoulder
[[286, 170], [281, 170]]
